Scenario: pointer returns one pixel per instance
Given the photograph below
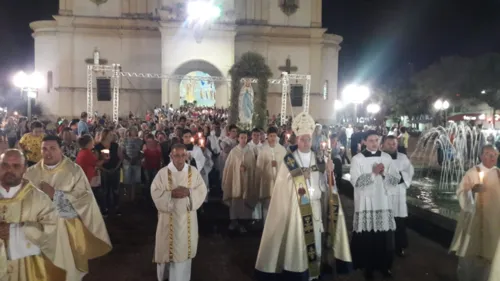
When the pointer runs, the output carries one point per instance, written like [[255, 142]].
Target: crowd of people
[[285, 177]]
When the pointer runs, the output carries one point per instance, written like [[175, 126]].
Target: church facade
[[151, 36]]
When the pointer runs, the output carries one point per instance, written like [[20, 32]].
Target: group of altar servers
[[304, 222]]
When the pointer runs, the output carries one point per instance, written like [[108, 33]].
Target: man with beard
[[27, 227], [66, 184]]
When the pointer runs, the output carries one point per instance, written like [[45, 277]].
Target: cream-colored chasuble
[[478, 226], [235, 183], [78, 214], [31, 249], [177, 230]]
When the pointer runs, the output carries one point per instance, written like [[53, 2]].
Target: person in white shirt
[[397, 195]]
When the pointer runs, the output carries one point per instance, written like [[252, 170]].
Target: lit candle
[[202, 142], [199, 135], [323, 145], [105, 151], [481, 177], [287, 136], [192, 139]]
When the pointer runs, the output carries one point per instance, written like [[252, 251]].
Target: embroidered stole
[[171, 219], [303, 199]]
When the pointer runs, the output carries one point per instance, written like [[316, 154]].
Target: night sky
[[381, 37]]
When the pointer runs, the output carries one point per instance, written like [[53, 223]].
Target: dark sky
[[381, 37]]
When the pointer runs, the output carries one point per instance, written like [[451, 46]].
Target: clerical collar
[[368, 153]]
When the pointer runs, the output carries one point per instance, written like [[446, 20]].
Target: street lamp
[[201, 12], [29, 83], [356, 94], [442, 106], [373, 108]]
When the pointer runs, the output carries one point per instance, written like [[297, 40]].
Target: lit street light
[[373, 108], [356, 94], [200, 12], [442, 106], [29, 83]]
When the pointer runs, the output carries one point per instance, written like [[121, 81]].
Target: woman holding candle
[[109, 151], [478, 227]]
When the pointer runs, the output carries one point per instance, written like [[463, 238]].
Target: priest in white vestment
[[178, 190], [372, 176], [237, 182], [227, 143], [255, 145], [478, 226], [397, 195], [78, 213], [28, 236], [266, 169], [291, 243]]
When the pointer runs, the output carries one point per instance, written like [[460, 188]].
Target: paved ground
[[223, 256]]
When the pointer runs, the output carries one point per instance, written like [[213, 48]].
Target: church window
[[197, 88], [325, 90]]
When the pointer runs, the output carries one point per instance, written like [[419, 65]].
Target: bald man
[[27, 225]]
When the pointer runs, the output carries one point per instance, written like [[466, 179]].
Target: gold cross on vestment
[[290, 162], [311, 253], [308, 226]]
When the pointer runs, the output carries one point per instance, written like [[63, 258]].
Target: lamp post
[[356, 94], [442, 106], [29, 83]]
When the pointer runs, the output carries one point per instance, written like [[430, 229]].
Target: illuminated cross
[[288, 68]]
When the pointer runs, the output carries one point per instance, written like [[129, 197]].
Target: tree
[[250, 65], [463, 79]]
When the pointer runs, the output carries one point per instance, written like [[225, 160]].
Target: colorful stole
[[171, 219], [303, 199]]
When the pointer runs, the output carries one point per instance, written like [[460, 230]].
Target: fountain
[[441, 158]]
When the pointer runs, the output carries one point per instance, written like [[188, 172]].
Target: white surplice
[[397, 195], [372, 208], [282, 246], [175, 250]]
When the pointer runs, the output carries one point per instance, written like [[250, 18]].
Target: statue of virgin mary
[[246, 104]]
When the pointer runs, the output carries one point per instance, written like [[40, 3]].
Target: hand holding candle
[[481, 177], [323, 145], [202, 142], [105, 153]]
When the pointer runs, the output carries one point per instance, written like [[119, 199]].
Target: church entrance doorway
[[197, 88]]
